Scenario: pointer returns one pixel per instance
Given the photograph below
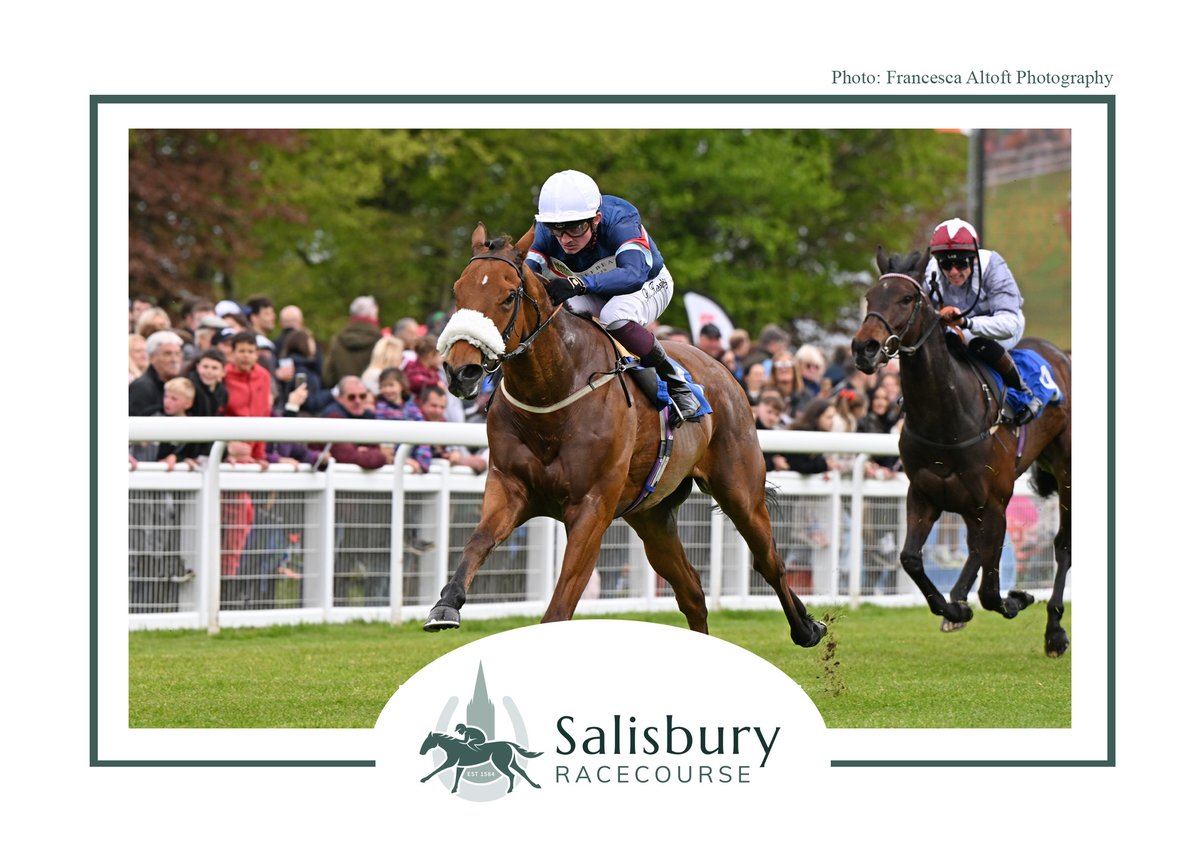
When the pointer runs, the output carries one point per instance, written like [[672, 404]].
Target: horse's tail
[[528, 754], [1042, 481]]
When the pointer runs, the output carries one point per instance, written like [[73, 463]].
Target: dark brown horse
[[564, 446], [958, 455]]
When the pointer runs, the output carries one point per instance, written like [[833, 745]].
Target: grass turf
[[878, 668]]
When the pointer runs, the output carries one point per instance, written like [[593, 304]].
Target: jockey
[[976, 294], [471, 736], [601, 261]]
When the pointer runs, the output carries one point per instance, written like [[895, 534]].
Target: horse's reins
[[901, 348], [525, 342]]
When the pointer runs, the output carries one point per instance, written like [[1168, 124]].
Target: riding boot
[[1008, 372], [683, 399]]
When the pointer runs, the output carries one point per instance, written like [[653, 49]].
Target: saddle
[[1033, 368]]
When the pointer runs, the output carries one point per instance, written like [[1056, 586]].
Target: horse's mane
[[500, 242]]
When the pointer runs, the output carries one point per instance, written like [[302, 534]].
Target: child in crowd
[[178, 395], [390, 405]]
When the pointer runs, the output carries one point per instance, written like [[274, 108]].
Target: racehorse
[[565, 444], [501, 754], [958, 455]]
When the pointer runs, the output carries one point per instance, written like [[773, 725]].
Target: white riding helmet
[[954, 234], [568, 196]]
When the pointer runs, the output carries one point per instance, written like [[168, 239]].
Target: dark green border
[[1109, 100]]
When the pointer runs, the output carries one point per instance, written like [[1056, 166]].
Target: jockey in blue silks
[[602, 263], [976, 293]]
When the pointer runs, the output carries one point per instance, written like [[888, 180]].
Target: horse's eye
[[509, 298]]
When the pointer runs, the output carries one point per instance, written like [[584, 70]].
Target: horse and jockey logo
[[469, 750]]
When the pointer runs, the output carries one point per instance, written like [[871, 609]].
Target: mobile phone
[[301, 378]]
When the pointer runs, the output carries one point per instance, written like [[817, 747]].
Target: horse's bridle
[[894, 344], [523, 345]]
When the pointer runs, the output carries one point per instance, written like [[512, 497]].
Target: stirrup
[[1029, 413]]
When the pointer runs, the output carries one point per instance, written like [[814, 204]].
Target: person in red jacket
[[248, 385]]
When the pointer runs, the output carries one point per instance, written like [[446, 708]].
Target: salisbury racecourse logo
[[484, 768]]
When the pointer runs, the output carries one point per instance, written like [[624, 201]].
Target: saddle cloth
[[1038, 376]]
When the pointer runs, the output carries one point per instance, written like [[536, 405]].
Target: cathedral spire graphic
[[481, 713]]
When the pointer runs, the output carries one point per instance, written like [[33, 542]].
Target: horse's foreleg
[[586, 524], [921, 516], [504, 509], [449, 763]]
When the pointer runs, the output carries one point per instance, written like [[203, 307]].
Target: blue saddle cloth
[[664, 400], [1038, 375]]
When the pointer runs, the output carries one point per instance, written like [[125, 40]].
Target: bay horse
[[566, 444], [957, 453], [502, 755]]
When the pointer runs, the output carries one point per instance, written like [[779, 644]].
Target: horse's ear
[[881, 259], [479, 239], [910, 264], [526, 242]]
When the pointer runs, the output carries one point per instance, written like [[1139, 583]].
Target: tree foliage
[[773, 223], [194, 197]]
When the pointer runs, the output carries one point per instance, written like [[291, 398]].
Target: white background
[[54, 60]]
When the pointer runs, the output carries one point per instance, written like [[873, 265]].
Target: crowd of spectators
[[248, 360]]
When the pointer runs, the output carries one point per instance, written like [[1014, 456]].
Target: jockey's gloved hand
[[951, 315], [561, 289]]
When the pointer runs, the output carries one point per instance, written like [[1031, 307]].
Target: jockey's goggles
[[961, 263], [575, 229]]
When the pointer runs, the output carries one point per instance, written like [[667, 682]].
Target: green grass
[[878, 668]]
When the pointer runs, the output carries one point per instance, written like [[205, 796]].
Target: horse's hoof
[[948, 626], [819, 630], [957, 613], [1016, 601], [1056, 644], [442, 618]]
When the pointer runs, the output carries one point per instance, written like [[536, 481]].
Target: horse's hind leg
[[656, 528], [991, 539], [1056, 637], [742, 497]]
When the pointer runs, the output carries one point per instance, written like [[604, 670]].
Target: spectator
[[880, 417], [227, 308], [291, 317], [139, 360], [408, 331], [708, 340], [739, 350], [426, 369], [300, 347], [350, 350], [138, 305], [422, 455], [768, 415], [202, 339], [178, 395], [433, 409], [393, 394], [207, 374], [771, 340], [784, 381], [249, 386], [818, 415], [812, 371], [260, 312], [754, 381], [151, 320], [387, 353], [165, 354], [350, 402], [194, 312]]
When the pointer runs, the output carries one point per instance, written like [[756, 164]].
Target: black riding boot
[[682, 397], [1008, 372]]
